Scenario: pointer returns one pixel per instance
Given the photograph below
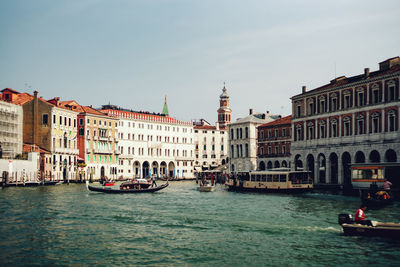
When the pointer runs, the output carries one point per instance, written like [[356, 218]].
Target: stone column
[[328, 177], [340, 171], [316, 170]]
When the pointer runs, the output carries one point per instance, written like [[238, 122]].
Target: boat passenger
[[387, 185], [360, 216], [153, 182]]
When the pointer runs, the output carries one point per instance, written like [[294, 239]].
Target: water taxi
[[271, 181]]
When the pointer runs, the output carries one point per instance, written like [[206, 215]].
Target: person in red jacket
[[360, 216]]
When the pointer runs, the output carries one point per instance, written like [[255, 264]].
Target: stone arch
[[269, 165], [145, 169], [154, 167], [163, 169], [374, 156], [284, 164], [277, 164], [262, 166], [333, 161], [223, 162], [360, 157], [390, 156], [171, 169], [298, 163], [136, 169]]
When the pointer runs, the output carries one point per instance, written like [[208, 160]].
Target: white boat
[[206, 188]]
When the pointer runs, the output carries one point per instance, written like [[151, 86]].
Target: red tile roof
[[281, 121], [11, 90], [142, 116], [205, 127], [73, 105]]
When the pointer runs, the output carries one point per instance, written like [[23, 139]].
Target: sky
[[132, 53]]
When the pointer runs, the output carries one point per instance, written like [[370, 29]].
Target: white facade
[[153, 145], [21, 170], [211, 146], [243, 141], [11, 120], [64, 143]]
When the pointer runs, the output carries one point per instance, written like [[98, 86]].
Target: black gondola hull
[[110, 190]]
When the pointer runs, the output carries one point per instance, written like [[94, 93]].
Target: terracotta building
[[273, 144]]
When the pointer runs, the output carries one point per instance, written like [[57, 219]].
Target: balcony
[[88, 137], [70, 151], [116, 152], [95, 138], [101, 151], [103, 138], [88, 150]]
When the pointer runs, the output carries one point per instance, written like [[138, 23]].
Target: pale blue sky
[[132, 53]]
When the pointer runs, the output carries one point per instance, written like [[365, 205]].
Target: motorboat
[[125, 189], [382, 229]]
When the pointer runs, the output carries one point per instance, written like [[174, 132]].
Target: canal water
[[67, 225]]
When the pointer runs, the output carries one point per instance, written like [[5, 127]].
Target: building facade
[[350, 120], [211, 145], [53, 128], [153, 144], [243, 140], [10, 129], [97, 142], [273, 144]]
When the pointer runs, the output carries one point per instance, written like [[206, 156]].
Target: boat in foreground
[[281, 181], [381, 229], [112, 190]]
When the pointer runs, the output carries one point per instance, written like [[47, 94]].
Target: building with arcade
[[349, 120]]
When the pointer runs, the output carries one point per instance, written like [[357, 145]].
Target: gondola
[[374, 200], [111, 190]]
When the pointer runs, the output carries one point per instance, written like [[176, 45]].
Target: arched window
[[392, 121], [376, 121], [247, 132], [247, 150]]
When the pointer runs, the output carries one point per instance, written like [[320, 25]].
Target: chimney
[[366, 73], [251, 111], [35, 120], [303, 89]]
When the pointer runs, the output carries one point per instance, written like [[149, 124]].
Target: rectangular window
[[81, 121], [45, 119]]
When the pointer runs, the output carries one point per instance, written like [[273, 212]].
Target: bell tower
[[224, 111]]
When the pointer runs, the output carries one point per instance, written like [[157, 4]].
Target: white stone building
[[211, 145], [243, 140], [153, 144]]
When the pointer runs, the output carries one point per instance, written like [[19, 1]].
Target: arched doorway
[[102, 172], [298, 164], [322, 168], [262, 166], [374, 156], [163, 169], [146, 169], [333, 158], [346, 165], [233, 168], [136, 169], [359, 158], [277, 164], [390, 156], [269, 165], [223, 162], [154, 167], [284, 164], [171, 169], [310, 165]]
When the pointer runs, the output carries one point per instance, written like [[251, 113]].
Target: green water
[[67, 225]]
